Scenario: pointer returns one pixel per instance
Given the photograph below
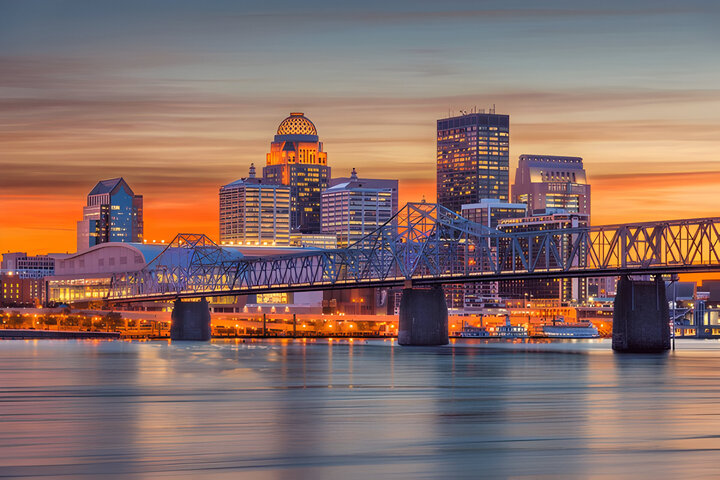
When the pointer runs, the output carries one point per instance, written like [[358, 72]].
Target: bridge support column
[[190, 321], [641, 318], [423, 317]]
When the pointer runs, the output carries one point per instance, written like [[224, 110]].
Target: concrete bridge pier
[[190, 321], [423, 316], [641, 320]]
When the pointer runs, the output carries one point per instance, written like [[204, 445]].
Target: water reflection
[[335, 408]]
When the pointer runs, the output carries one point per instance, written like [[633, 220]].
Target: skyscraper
[[473, 159], [296, 159], [357, 207], [113, 214], [548, 183], [253, 212]]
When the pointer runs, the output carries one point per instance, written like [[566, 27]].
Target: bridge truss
[[424, 244]]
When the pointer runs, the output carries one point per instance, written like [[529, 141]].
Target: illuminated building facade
[[253, 212], [355, 208], [17, 291], [473, 159], [566, 290], [296, 159], [489, 212], [24, 266], [113, 214], [546, 183]]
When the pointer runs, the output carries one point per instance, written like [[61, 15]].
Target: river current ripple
[[321, 409]]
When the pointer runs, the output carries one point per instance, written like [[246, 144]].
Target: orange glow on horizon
[[47, 223]]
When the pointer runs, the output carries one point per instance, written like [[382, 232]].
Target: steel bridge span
[[427, 245]]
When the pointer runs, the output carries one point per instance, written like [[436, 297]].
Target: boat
[[561, 329], [511, 331], [473, 332]]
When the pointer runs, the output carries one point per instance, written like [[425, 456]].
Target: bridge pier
[[190, 321], [423, 317], [641, 318]]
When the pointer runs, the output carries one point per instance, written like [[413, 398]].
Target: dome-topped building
[[297, 124], [297, 159]]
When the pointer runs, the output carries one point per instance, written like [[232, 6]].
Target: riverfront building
[[473, 159], [113, 214], [296, 159], [23, 265], [355, 208], [566, 290], [546, 183], [488, 212], [253, 212]]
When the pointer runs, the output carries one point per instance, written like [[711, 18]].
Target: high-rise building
[[357, 207], [254, 212], [565, 290], [473, 159], [113, 214], [381, 183], [549, 183], [297, 159]]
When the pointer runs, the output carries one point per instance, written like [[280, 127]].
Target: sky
[[179, 97]]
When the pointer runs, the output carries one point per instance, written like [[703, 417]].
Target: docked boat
[[561, 329], [473, 332], [511, 331]]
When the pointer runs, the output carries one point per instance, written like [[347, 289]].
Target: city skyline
[[84, 102]]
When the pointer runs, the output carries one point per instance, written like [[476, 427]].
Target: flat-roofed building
[[355, 208], [490, 211], [254, 212], [473, 159]]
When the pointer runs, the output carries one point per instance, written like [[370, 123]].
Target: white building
[[355, 208], [254, 213]]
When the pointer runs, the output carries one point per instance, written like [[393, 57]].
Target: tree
[[114, 321]]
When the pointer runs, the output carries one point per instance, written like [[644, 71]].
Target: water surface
[[362, 409]]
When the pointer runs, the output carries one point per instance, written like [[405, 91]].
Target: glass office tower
[[473, 159], [113, 214]]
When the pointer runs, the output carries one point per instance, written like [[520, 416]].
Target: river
[[327, 409]]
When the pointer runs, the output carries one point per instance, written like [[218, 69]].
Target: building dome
[[296, 124]]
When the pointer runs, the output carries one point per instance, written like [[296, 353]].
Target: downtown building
[[253, 212], [297, 160], [548, 291], [113, 214], [552, 187], [549, 183], [473, 159], [21, 278], [488, 212], [473, 164], [354, 207]]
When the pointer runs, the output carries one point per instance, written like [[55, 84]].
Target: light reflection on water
[[361, 409]]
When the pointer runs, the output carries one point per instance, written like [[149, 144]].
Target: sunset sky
[[179, 97]]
